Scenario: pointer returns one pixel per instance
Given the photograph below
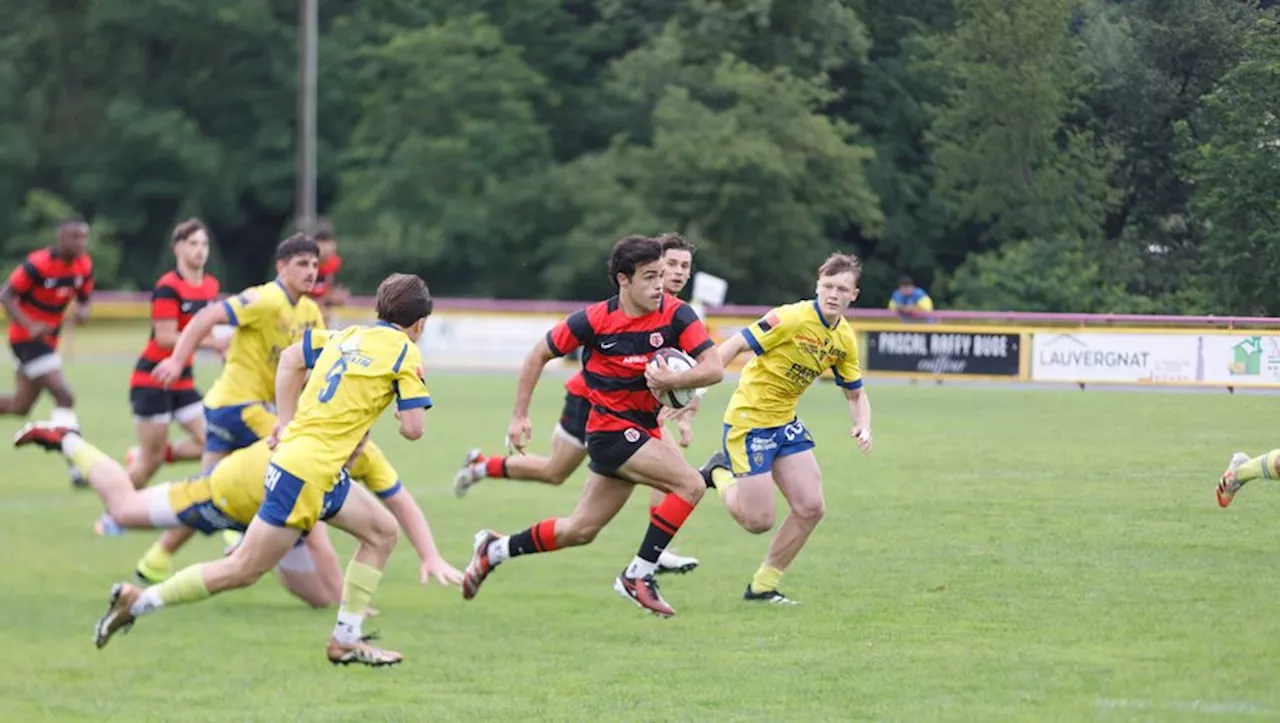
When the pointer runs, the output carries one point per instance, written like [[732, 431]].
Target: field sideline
[[1009, 554]]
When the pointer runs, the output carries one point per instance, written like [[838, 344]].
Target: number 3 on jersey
[[332, 378]]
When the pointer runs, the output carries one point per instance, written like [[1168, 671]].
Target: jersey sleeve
[[86, 288], [573, 332], [313, 341], [925, 303], [691, 334], [411, 389], [165, 303], [24, 277], [251, 307], [848, 371], [374, 470], [771, 330]]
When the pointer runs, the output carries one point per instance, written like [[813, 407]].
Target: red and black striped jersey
[[43, 286], [616, 349], [577, 385], [174, 298], [325, 276]]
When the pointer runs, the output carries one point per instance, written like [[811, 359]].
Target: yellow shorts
[[293, 502], [194, 504]]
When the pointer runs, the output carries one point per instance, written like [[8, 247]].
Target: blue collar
[[387, 324], [287, 295], [818, 310]]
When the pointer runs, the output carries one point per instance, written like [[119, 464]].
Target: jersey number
[[331, 380]]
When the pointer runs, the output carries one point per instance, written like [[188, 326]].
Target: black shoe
[[716, 461], [769, 596]]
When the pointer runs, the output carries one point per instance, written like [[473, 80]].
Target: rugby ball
[[676, 361]]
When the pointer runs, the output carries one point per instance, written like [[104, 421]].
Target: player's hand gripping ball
[[675, 361]]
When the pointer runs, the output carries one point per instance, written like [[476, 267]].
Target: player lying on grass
[[227, 498], [323, 420], [569, 442], [624, 441], [765, 443], [1243, 469]]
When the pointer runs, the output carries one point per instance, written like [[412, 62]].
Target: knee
[[243, 572], [555, 477], [810, 511], [690, 486], [385, 532], [757, 523]]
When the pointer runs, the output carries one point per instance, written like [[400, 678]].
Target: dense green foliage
[[1065, 155]]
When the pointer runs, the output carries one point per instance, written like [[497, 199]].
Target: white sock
[[499, 550], [479, 470], [71, 443], [348, 631], [64, 417], [640, 568], [149, 601]]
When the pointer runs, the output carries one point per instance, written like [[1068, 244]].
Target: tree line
[[1057, 155]]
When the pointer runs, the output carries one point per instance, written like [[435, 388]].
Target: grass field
[[1003, 555]]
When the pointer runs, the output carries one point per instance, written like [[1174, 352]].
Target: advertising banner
[[943, 353], [1244, 360], [1132, 358]]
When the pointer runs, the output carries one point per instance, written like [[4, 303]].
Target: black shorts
[[165, 405], [573, 418], [35, 358], [608, 451]]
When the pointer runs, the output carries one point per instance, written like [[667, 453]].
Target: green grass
[[1004, 555]]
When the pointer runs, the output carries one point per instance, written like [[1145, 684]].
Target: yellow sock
[[358, 587], [156, 564], [766, 579], [1264, 467], [185, 587], [723, 480], [83, 456]]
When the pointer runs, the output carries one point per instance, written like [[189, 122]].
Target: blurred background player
[[765, 443], [178, 296], [239, 409], [229, 496], [267, 319], [568, 443], [326, 291], [624, 439], [35, 298], [1243, 469], [359, 372]]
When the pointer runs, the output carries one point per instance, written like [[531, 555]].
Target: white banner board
[[1244, 360], [1133, 358]]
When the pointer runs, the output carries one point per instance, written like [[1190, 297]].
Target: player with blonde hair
[[765, 443]]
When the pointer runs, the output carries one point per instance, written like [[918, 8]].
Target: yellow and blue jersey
[[918, 297], [229, 496], [793, 346], [357, 373], [267, 321]]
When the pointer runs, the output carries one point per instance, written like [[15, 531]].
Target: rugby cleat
[[361, 653], [466, 477], [46, 435], [480, 566], [643, 591], [669, 561], [768, 596], [1228, 485], [718, 460], [118, 619]]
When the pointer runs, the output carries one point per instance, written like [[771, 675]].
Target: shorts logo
[[655, 339], [632, 435]]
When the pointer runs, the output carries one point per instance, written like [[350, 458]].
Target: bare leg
[[312, 572], [800, 480], [25, 393], [153, 437]]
